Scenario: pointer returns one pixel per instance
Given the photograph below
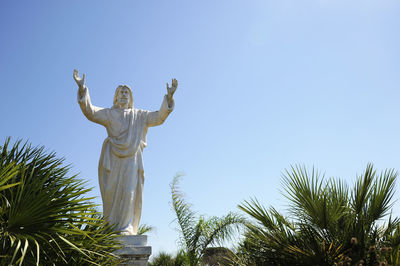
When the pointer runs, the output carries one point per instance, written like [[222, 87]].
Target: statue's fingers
[[167, 86], [83, 77]]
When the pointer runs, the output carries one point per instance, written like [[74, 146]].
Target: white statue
[[121, 173]]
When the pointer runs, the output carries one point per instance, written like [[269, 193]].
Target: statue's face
[[123, 96]]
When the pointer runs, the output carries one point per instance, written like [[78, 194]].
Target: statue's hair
[[130, 105]]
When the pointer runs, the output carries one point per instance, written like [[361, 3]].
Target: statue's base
[[135, 250]]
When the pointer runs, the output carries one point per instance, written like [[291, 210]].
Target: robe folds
[[120, 170]]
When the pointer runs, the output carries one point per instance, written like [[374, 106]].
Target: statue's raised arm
[[93, 113], [158, 117]]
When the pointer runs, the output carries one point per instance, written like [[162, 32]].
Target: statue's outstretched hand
[[80, 82], [171, 90]]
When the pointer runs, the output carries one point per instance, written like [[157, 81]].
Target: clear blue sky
[[262, 85]]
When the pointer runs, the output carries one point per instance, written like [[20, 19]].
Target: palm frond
[[331, 224], [45, 217], [382, 192], [362, 190], [314, 199], [184, 215], [198, 234], [144, 228], [217, 230]]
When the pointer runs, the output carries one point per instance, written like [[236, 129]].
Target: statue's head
[[123, 97]]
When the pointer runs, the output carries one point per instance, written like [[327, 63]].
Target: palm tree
[[327, 224], [196, 234], [45, 218]]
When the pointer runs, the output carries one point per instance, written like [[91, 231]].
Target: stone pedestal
[[135, 250]]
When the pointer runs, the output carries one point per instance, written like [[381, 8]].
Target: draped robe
[[121, 172]]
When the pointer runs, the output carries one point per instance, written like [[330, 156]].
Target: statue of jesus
[[121, 173]]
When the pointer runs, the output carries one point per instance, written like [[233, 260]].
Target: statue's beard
[[124, 105]]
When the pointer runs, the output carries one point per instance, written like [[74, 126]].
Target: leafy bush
[[328, 223], [45, 218]]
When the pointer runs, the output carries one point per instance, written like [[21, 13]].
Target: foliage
[[45, 218], [328, 223], [196, 234], [144, 228], [165, 259]]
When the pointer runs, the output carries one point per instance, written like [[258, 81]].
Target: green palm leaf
[[198, 235], [45, 218], [328, 223]]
